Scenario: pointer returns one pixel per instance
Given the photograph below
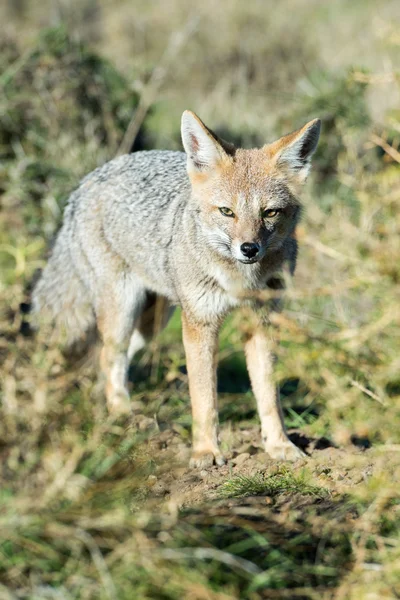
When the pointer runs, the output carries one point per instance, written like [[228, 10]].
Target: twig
[[378, 78], [99, 563], [157, 78], [214, 554], [13, 69], [378, 141], [389, 448], [367, 391], [320, 247]]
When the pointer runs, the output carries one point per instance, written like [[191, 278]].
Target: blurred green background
[[82, 81]]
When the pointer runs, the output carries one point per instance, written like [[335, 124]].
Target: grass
[[94, 508], [283, 481]]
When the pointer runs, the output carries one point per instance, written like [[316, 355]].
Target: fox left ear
[[293, 152]]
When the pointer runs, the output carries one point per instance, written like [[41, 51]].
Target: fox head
[[246, 201]]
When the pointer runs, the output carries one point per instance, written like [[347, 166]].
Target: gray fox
[[155, 229]]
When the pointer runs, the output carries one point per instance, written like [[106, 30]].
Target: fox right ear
[[203, 148]]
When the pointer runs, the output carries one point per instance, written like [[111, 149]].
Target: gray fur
[[151, 230], [133, 218]]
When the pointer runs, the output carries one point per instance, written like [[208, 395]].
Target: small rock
[[160, 488], [263, 458], [151, 480], [137, 406], [180, 472], [145, 423], [241, 458], [183, 454], [164, 536], [165, 436], [175, 441]]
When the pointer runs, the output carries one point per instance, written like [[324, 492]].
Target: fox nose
[[249, 249]]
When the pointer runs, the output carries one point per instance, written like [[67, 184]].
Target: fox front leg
[[201, 344], [260, 361]]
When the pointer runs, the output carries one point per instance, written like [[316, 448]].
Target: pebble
[[160, 488], [137, 406], [241, 458], [145, 423], [151, 480], [263, 458]]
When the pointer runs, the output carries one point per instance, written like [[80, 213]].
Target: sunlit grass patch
[[282, 481]]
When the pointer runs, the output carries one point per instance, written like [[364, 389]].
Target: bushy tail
[[61, 307]]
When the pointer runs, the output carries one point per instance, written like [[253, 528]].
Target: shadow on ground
[[262, 545]]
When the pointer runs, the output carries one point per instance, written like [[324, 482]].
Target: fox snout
[[250, 249], [250, 252]]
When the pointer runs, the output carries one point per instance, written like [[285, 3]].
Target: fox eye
[[270, 213], [227, 212]]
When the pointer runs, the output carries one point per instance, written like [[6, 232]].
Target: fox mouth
[[249, 261]]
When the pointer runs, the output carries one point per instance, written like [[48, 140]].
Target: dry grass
[[83, 511]]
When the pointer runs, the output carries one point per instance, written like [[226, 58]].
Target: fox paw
[[284, 450], [205, 459]]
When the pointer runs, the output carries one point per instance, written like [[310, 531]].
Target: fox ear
[[203, 147], [293, 152]]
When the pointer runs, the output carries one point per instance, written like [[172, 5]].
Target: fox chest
[[211, 298], [210, 304], [213, 295]]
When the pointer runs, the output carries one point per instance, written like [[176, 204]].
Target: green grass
[[283, 481]]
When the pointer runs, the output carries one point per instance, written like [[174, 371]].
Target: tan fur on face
[[247, 184], [247, 169], [245, 172], [250, 172]]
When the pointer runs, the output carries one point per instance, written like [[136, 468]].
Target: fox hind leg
[[127, 319], [154, 317], [117, 312]]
